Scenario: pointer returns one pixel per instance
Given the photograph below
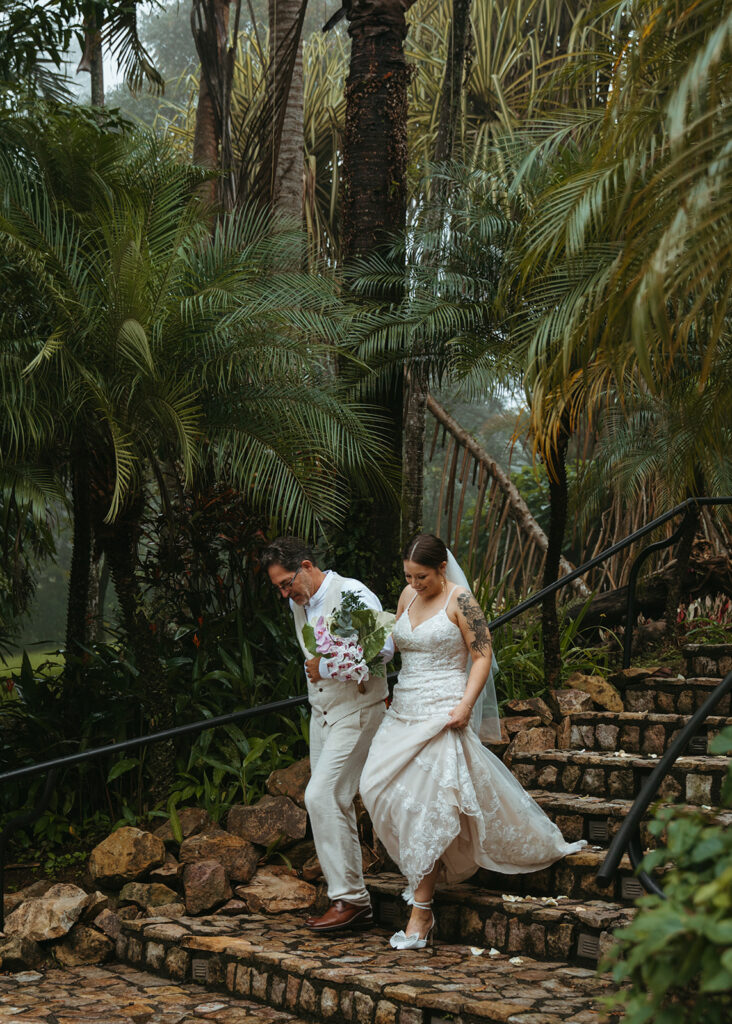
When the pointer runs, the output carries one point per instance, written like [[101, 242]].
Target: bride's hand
[[459, 717]]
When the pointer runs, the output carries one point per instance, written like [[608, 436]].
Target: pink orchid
[[323, 639]]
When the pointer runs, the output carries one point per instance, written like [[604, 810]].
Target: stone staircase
[[516, 949]]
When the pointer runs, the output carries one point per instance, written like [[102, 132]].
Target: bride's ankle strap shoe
[[400, 940]]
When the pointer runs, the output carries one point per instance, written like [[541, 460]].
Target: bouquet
[[351, 639]]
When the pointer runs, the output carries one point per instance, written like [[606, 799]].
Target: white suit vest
[[333, 699]]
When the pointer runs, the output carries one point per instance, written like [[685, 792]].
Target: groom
[[342, 725]]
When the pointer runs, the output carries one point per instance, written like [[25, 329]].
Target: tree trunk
[[120, 549], [679, 583], [374, 175], [78, 601], [558, 497], [284, 32], [416, 383], [92, 59], [212, 135], [77, 608], [452, 83], [415, 406], [374, 192]]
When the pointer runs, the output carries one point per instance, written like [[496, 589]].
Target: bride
[[442, 804]]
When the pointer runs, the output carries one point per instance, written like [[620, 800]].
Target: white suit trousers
[[337, 756]]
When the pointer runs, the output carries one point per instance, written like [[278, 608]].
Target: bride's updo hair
[[426, 549]]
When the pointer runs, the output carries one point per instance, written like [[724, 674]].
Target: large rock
[[275, 890], [533, 741], [311, 869], [192, 821], [300, 853], [167, 910], [169, 873], [14, 899], [109, 923], [519, 723], [50, 916], [291, 781], [602, 692], [18, 953], [237, 856], [233, 908], [570, 702], [96, 903], [84, 945], [271, 819], [625, 677], [146, 894], [205, 886], [125, 855], [530, 706]]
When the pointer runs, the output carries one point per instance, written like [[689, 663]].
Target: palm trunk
[[374, 174], [452, 83], [284, 32], [92, 59], [374, 191], [212, 135], [416, 383], [558, 498], [78, 600], [677, 581], [415, 407], [120, 549]]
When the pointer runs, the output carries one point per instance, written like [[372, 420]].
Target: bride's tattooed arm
[[475, 621]]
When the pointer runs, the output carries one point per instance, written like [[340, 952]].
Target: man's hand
[[312, 668]]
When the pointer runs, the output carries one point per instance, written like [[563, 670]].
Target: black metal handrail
[[290, 702], [628, 835]]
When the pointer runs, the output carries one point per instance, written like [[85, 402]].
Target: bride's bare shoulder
[[404, 598]]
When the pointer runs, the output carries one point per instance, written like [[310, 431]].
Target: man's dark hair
[[289, 552]]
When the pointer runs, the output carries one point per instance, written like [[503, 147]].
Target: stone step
[[358, 979], [573, 876], [693, 780], [545, 927], [598, 820], [635, 732], [120, 994], [708, 659], [673, 696]]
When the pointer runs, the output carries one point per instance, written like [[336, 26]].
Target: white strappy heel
[[400, 940]]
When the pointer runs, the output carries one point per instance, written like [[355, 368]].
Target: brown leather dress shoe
[[342, 915]]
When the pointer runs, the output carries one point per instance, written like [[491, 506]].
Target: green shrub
[[677, 953]]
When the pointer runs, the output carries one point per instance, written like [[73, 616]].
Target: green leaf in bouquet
[[308, 638]]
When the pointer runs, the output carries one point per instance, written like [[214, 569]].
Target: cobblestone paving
[[360, 979], [119, 994]]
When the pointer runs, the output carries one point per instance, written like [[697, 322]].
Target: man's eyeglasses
[[286, 587]]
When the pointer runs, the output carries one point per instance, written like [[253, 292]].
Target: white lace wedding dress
[[439, 794]]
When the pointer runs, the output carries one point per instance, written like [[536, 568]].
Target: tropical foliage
[[677, 953]]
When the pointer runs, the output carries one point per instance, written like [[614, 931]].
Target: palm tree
[[148, 345], [623, 287]]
